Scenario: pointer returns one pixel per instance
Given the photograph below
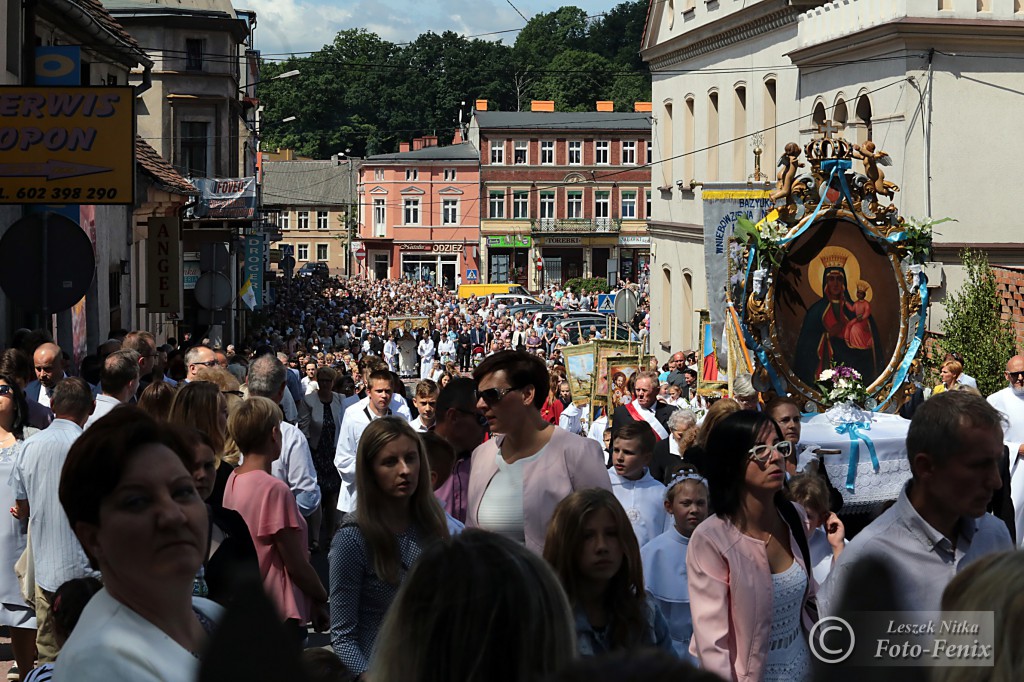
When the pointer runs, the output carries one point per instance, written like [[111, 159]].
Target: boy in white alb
[[639, 493], [425, 401]]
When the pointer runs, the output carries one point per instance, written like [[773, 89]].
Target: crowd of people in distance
[[170, 504]]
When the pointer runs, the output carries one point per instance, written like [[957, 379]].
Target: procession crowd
[[165, 502]]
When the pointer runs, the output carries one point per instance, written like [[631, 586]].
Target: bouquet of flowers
[[842, 384]]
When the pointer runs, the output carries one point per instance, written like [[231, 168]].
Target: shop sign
[[505, 241], [634, 240], [191, 273], [563, 241], [163, 257], [434, 248], [225, 198]]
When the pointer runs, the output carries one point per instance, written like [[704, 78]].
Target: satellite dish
[[48, 262], [625, 306], [213, 291]]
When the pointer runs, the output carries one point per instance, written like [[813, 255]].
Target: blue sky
[[296, 26]]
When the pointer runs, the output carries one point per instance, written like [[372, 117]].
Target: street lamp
[[280, 76], [350, 220]]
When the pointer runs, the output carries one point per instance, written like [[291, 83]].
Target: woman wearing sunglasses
[[750, 556], [519, 476]]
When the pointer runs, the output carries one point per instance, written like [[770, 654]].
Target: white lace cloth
[[789, 659], [888, 432]]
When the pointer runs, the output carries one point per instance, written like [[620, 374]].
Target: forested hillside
[[364, 94]]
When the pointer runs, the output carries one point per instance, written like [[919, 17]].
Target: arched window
[[818, 116], [712, 145], [667, 150], [666, 305], [840, 113], [768, 123], [687, 309], [739, 129], [689, 141], [863, 119]]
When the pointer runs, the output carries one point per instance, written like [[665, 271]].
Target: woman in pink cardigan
[[748, 558], [519, 476]]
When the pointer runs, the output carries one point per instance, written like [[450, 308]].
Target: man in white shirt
[[57, 554], [357, 417], [308, 382], [295, 465], [1010, 402], [119, 380]]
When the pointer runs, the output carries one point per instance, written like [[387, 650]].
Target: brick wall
[[1010, 283]]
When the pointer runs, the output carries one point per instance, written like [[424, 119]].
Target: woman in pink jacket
[[749, 558], [519, 476]]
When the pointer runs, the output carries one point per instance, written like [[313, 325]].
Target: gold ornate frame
[[804, 202]]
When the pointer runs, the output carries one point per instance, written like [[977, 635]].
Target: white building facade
[[931, 82]]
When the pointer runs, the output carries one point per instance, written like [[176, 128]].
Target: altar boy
[[639, 493]]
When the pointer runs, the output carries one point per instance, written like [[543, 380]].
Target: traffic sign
[[359, 249], [472, 275], [606, 304], [625, 306], [67, 145]]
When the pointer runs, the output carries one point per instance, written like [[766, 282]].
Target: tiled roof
[[156, 167], [99, 14], [464, 151], [309, 183], [563, 120]]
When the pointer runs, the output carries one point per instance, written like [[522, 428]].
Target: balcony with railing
[[576, 225]]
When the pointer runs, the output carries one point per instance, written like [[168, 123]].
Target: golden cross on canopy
[[828, 128]]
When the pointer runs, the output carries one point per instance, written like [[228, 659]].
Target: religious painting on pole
[[620, 371], [579, 368], [833, 279]]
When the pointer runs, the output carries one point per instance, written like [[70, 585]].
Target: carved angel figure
[[788, 165], [876, 176]]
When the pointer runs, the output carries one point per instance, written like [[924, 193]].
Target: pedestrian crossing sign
[[606, 304]]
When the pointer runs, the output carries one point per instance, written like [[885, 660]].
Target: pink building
[[419, 214]]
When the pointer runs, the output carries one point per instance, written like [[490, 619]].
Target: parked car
[[309, 269], [514, 299], [578, 329]]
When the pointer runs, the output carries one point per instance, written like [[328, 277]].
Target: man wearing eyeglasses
[[196, 358], [1010, 402]]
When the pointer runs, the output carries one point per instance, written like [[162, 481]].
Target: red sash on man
[[648, 416]]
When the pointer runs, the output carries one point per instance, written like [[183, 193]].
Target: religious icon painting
[[579, 366], [837, 302], [620, 371], [606, 350]]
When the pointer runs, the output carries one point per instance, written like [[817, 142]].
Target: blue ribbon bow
[[853, 430]]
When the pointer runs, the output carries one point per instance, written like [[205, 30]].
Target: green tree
[[974, 326], [575, 80], [616, 35], [547, 35]]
